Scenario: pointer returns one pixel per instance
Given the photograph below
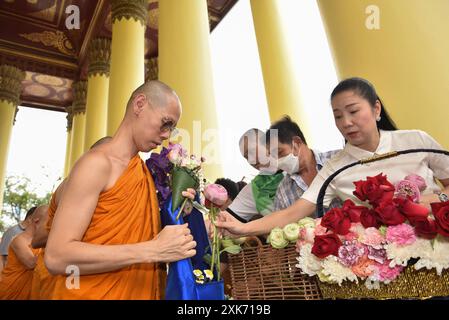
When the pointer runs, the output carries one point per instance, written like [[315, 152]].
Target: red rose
[[389, 214], [336, 221], [352, 211], [441, 213], [374, 189], [326, 245], [412, 211], [426, 228], [369, 219]]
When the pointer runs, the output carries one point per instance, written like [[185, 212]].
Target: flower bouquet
[[390, 244], [174, 172]]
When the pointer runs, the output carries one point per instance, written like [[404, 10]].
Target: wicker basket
[[264, 273]]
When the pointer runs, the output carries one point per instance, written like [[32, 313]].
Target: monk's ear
[[139, 104]]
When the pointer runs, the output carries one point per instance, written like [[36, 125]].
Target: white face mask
[[289, 164]]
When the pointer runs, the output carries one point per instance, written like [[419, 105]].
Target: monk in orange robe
[[43, 282], [105, 236], [17, 275]]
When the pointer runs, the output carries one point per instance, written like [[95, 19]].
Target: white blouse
[[427, 165]]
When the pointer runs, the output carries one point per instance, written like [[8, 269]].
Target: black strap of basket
[[320, 207]]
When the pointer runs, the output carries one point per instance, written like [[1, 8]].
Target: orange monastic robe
[[125, 214], [16, 279], [43, 282]]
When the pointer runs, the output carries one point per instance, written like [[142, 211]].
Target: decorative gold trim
[[136, 10], [70, 65], [79, 96], [151, 69], [93, 22], [99, 55], [11, 83], [379, 157], [55, 39], [69, 118]]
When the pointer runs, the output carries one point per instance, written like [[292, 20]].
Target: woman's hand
[[231, 226]]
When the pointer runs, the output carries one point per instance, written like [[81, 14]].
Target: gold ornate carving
[[69, 118], [55, 39], [136, 10], [151, 69], [79, 97], [99, 57], [11, 83]]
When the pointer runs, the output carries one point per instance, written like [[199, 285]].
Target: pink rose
[[307, 234], [215, 194], [417, 180], [402, 234]]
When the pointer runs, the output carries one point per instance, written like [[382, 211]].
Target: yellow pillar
[[185, 65], [69, 142], [97, 91], [281, 86], [10, 89], [402, 47], [79, 121], [127, 56]]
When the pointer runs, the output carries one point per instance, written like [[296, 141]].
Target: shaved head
[[40, 235], [40, 212], [157, 93]]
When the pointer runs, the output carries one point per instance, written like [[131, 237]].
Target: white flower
[[276, 238], [336, 272], [437, 258], [307, 261], [400, 255], [372, 284], [291, 232]]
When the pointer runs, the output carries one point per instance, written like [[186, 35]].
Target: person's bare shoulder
[[93, 168], [19, 240]]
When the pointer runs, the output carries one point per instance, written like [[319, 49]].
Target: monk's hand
[[188, 206], [189, 193], [230, 226], [175, 243]]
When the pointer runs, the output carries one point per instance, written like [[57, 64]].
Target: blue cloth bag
[[181, 283]]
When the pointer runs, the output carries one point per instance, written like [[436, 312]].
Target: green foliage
[[19, 197]]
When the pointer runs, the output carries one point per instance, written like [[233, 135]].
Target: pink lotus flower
[[402, 234], [417, 180], [215, 194], [408, 190]]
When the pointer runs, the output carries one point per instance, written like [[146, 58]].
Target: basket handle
[[321, 194]]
